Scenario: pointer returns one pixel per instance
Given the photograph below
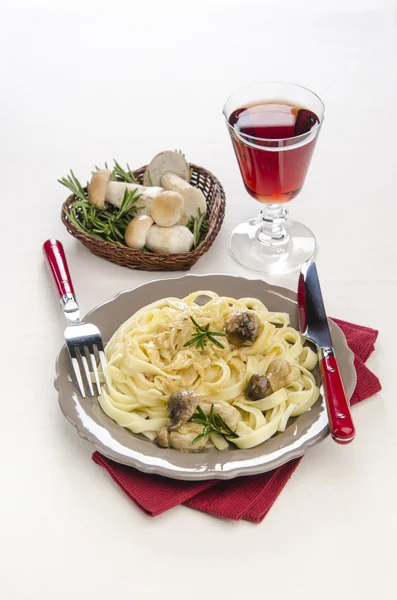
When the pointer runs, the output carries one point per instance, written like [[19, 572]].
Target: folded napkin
[[250, 497]]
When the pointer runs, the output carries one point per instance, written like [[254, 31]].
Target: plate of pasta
[[207, 377]]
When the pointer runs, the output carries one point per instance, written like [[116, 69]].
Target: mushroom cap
[[281, 373], [98, 186], [243, 328], [167, 208], [163, 162], [258, 387], [137, 231]]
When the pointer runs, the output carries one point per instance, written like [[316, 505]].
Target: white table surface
[[85, 81]]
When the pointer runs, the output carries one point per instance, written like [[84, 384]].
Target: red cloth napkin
[[248, 498]]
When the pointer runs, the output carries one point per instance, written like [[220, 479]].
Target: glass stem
[[272, 231]]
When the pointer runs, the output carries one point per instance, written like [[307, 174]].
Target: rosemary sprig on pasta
[[213, 423], [202, 334]]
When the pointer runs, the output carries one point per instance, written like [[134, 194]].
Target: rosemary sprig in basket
[[108, 224], [120, 174], [199, 226], [74, 185]]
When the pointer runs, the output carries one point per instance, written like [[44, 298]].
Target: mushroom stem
[[194, 199], [116, 189], [169, 240]]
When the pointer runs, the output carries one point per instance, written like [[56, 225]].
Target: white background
[[85, 81]]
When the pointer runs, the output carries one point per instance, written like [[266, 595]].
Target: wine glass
[[274, 129]]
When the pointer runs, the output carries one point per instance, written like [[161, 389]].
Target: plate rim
[[238, 471]]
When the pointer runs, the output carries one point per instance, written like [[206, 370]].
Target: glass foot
[[276, 257]]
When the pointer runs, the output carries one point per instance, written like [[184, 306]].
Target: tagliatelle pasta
[[148, 361]]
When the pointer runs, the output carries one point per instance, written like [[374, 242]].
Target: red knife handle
[[56, 260], [340, 420]]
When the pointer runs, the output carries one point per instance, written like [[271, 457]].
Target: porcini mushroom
[[226, 411], [101, 190], [194, 200], [170, 240], [242, 328], [137, 230], [179, 434], [281, 373], [166, 209], [164, 162], [258, 387], [182, 438], [163, 437], [171, 171], [181, 406]]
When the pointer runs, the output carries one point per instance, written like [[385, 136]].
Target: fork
[[81, 338]]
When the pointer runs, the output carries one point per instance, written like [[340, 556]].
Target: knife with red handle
[[313, 324]]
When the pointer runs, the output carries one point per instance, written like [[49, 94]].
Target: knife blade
[[313, 324]]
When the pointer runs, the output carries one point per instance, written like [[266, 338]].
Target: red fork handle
[[340, 420], [56, 260]]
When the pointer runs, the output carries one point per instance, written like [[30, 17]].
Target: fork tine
[[102, 358], [99, 344], [81, 339], [86, 371], [94, 368], [77, 372]]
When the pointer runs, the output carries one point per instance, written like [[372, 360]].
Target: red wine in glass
[[273, 126], [274, 143]]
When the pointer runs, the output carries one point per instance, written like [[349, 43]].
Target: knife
[[313, 324]]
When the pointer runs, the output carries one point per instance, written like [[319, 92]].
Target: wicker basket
[[147, 261]]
